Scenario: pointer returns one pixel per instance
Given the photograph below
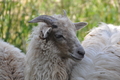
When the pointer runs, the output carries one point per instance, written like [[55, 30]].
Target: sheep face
[[64, 37], [62, 32]]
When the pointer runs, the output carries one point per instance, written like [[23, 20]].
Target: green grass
[[14, 15]]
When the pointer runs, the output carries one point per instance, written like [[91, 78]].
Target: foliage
[[14, 15]]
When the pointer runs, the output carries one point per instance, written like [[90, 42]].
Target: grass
[[14, 15]]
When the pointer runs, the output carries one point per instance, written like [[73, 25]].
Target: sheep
[[11, 62], [53, 49], [102, 55]]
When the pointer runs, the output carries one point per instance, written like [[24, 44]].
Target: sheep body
[[43, 58], [102, 60], [43, 64], [11, 62]]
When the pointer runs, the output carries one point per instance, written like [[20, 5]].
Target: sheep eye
[[59, 36], [54, 26]]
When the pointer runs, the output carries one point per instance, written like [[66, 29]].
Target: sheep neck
[[44, 63]]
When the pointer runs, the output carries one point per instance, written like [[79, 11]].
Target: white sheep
[[11, 62], [53, 48], [102, 59]]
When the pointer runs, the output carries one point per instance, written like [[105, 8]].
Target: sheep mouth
[[76, 58]]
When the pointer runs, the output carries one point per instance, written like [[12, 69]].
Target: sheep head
[[63, 33]]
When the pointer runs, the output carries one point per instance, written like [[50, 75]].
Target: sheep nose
[[78, 54], [82, 53]]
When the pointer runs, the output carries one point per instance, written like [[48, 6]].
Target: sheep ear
[[80, 25], [46, 32]]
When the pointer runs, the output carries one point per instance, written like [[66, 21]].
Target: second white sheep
[[102, 59]]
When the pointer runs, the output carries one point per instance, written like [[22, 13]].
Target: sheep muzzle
[[78, 54]]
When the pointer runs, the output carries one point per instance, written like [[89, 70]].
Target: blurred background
[[14, 15]]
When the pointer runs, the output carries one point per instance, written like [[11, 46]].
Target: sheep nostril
[[81, 53]]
